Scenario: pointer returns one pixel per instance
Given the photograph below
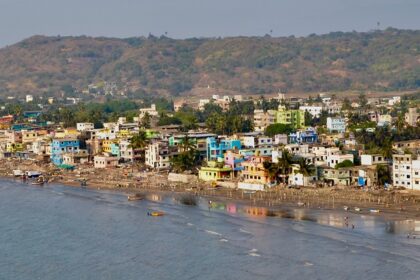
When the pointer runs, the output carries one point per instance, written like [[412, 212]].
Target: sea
[[60, 232]]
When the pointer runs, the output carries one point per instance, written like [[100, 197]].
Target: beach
[[391, 205]]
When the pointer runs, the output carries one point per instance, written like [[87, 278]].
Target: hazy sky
[[198, 18]]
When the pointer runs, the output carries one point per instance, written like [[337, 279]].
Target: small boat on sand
[[155, 213], [346, 208], [374, 210], [357, 209], [137, 196], [40, 181], [300, 204]]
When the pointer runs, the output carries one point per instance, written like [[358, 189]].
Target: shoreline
[[392, 205], [270, 207]]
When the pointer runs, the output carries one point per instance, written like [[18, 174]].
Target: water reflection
[[336, 219], [403, 227]]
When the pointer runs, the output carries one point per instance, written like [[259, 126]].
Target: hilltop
[[379, 60]]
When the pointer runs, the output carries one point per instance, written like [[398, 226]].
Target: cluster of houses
[[240, 159]]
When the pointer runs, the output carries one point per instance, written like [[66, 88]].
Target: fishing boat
[[357, 209], [155, 213], [40, 181], [300, 204], [134, 197], [346, 208], [374, 210]]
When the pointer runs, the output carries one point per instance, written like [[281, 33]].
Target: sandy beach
[[391, 205]]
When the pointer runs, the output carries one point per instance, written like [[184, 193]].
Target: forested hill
[[380, 60]]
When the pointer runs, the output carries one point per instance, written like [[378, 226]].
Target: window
[[408, 176]]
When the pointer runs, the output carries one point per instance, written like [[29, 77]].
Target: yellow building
[[107, 145], [254, 171], [214, 172], [14, 147]]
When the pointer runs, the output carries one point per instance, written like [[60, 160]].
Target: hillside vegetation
[[380, 60]]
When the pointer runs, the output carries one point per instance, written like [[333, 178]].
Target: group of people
[[346, 222]]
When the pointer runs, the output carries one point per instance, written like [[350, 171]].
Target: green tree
[[383, 173], [278, 128], [345, 163], [305, 168]]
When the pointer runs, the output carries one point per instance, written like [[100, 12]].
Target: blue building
[[115, 149], [61, 146], [308, 136], [216, 148]]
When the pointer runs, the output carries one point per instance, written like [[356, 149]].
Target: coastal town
[[301, 142]]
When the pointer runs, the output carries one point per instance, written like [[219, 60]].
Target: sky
[[20, 19]]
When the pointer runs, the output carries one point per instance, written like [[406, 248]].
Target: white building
[[336, 124], [158, 155], [333, 160], [315, 111], [255, 142], [151, 111], [29, 98], [373, 160], [202, 103], [105, 162], [280, 139], [394, 100], [84, 126], [406, 172]]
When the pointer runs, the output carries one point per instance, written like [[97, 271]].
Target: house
[[280, 139], [254, 171], [60, 146], [412, 117], [294, 118], [217, 147], [257, 141], [76, 158], [308, 136], [159, 155], [362, 176], [375, 159], [152, 112], [315, 111], [127, 153], [199, 140], [84, 126], [298, 179], [215, 171], [333, 160], [406, 171], [336, 124], [105, 162], [263, 119]]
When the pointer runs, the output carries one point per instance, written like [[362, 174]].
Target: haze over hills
[[380, 60]]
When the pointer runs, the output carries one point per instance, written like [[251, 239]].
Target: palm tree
[[304, 168], [285, 163], [384, 176], [139, 141]]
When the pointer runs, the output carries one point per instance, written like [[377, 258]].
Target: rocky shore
[[392, 205]]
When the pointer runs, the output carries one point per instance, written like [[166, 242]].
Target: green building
[[296, 118]]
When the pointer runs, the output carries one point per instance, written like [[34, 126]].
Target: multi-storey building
[[159, 155], [308, 136], [61, 146], [412, 117], [336, 124], [406, 172], [294, 118], [263, 119], [216, 147]]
